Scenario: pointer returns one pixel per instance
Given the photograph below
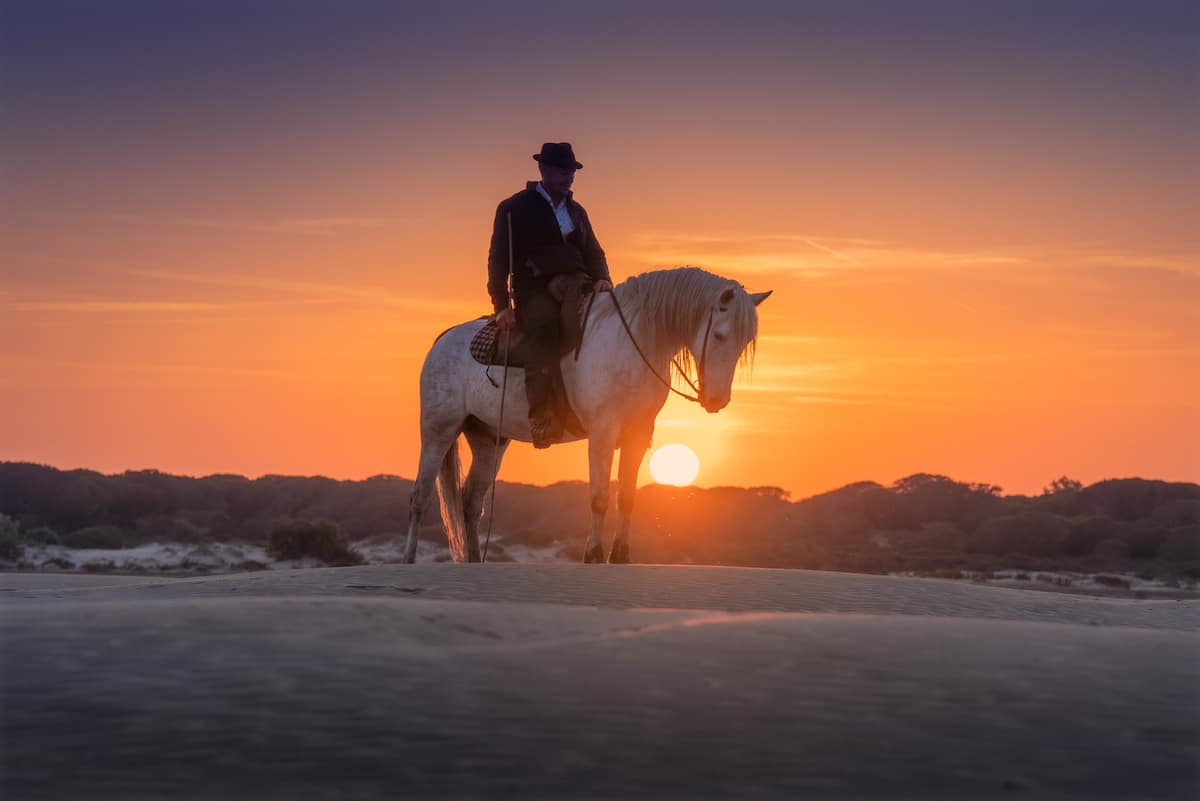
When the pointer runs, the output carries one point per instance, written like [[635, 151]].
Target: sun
[[675, 464]]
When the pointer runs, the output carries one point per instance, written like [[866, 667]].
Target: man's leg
[[538, 318], [566, 289]]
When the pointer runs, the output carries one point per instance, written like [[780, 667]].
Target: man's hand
[[601, 286], [506, 320]]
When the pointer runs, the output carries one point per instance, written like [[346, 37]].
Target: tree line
[[923, 522]]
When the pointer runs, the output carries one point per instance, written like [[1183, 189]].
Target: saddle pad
[[486, 345], [483, 344]]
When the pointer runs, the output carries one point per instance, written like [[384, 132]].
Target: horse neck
[[664, 331]]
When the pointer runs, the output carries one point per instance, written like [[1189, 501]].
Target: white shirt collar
[[542, 191]]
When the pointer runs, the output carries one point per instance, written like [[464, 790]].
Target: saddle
[[488, 348]]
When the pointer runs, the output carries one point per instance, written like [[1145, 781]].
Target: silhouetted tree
[[923, 521], [1062, 484]]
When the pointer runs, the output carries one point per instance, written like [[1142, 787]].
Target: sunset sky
[[229, 231]]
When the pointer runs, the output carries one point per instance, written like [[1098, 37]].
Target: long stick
[[503, 395]]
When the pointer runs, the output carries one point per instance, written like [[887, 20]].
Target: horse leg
[[434, 449], [627, 472], [485, 462], [600, 458]]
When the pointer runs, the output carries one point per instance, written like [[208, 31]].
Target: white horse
[[709, 321]]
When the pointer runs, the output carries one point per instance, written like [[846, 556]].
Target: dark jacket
[[539, 250]]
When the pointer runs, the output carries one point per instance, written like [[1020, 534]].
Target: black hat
[[558, 154]]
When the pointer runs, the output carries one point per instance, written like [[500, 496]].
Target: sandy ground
[[574, 681]]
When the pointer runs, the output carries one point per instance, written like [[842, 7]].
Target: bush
[[42, 535], [937, 535], [1031, 533], [186, 531], [1144, 541], [322, 540], [105, 537], [1181, 545], [1088, 532], [1112, 549], [10, 548], [10, 539], [534, 538]]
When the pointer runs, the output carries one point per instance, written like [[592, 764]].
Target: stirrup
[[545, 433]]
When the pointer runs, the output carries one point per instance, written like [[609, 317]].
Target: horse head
[[722, 343]]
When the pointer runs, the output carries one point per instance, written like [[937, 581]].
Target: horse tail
[[449, 486]]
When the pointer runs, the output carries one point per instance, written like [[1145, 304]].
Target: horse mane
[[665, 307]]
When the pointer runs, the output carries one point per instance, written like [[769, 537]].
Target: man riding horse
[[554, 255]]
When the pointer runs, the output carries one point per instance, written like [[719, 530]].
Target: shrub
[[10, 539], [10, 548], [1088, 532], [42, 535], [1181, 545], [1031, 533], [1182, 512], [322, 540], [106, 537], [1144, 541], [937, 535], [533, 537], [1112, 549], [186, 531]]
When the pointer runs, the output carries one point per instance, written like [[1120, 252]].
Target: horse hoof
[[620, 554], [594, 555]]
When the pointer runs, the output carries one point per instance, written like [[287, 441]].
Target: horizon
[[788, 496], [229, 234]]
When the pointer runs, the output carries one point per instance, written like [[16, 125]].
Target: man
[[554, 254]]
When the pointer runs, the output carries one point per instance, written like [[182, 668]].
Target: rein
[[649, 366], [503, 394]]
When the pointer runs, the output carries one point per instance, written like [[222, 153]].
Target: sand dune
[[557, 681]]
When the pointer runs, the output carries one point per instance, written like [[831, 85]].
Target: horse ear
[[759, 297], [726, 298]]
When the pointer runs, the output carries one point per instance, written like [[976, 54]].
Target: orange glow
[[873, 362], [990, 278]]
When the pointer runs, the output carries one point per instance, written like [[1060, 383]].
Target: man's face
[[557, 180]]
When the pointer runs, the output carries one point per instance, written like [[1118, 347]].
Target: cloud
[[990, 260], [1169, 265], [113, 306], [317, 291], [865, 399], [320, 226], [802, 255], [788, 339]]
